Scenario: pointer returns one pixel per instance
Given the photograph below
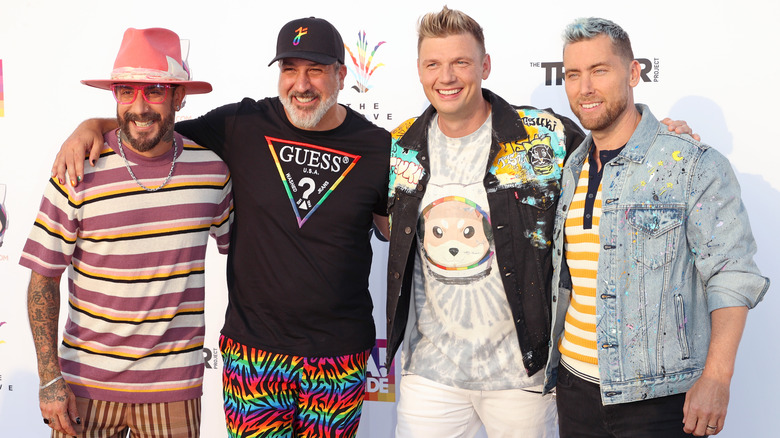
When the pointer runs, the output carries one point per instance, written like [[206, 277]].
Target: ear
[[635, 71], [485, 66], [342, 75], [178, 97]]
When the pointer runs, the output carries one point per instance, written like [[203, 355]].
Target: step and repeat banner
[[710, 63]]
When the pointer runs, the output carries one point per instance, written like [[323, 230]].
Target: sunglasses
[[125, 94]]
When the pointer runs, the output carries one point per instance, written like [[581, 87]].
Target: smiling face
[[599, 82], [309, 92], [147, 127], [451, 71]]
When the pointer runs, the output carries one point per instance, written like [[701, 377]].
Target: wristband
[[51, 382]]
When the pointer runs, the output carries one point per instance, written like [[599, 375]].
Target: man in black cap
[[309, 178]]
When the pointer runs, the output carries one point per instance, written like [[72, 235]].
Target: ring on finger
[[712, 427]]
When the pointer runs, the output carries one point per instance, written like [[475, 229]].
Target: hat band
[[144, 75], [175, 73]]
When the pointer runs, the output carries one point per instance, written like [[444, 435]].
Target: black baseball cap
[[310, 38]]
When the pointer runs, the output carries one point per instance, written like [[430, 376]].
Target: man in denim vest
[[653, 261]]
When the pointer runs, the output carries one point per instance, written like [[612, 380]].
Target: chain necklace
[[127, 164]]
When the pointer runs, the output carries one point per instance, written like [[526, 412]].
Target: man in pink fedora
[[133, 238]]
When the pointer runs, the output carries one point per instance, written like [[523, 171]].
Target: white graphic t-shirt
[[461, 332]]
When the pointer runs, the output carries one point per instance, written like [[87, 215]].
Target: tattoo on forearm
[[43, 310]]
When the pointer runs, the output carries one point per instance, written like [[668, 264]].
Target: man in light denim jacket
[[653, 270]]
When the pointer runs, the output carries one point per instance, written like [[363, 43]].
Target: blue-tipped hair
[[588, 28]]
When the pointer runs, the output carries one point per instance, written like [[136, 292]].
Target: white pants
[[431, 410]]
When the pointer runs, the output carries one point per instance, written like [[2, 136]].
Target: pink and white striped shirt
[[136, 264]]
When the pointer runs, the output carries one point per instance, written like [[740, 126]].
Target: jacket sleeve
[[719, 235]]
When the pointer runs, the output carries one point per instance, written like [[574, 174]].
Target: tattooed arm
[[57, 402]]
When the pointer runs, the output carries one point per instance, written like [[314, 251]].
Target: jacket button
[[420, 187], [396, 275], [408, 230], [565, 207]]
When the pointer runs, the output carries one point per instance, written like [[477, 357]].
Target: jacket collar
[[638, 145]]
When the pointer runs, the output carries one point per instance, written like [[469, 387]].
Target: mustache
[[143, 117], [305, 94]]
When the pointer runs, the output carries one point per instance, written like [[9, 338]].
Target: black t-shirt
[[300, 252]]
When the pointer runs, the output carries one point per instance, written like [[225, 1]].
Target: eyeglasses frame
[[141, 87]]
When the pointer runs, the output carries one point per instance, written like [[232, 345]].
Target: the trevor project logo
[[554, 73], [380, 381], [361, 64]]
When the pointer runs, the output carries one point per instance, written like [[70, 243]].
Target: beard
[[309, 118], [602, 121], [146, 143]]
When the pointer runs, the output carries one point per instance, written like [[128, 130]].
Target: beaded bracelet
[[51, 382]]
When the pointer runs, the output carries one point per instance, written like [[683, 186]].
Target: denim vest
[[675, 244]]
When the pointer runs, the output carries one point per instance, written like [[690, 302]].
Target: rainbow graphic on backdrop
[[380, 381], [362, 70], [2, 323], [2, 98], [3, 214]]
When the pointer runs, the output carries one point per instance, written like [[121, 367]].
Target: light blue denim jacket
[[675, 244]]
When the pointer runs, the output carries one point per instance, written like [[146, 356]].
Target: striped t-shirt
[[136, 263], [578, 344]]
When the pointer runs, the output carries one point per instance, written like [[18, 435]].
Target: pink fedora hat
[[154, 56]]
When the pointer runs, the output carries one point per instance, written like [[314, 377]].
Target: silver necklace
[[127, 164]]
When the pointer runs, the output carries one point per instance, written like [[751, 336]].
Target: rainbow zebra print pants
[[282, 396]]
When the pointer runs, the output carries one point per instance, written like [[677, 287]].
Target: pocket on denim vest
[[655, 231]]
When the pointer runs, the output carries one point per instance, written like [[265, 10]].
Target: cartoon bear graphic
[[456, 236]]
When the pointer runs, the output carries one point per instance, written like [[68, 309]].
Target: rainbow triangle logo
[[309, 173]]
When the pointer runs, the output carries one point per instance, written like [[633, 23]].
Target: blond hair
[[448, 22]]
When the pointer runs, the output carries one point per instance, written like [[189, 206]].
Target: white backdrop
[[711, 63]]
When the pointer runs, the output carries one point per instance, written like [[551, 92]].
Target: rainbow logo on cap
[[301, 32]]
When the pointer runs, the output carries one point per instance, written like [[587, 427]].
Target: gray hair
[[588, 28]]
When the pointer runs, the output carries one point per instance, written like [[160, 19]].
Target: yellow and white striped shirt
[[578, 345]]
